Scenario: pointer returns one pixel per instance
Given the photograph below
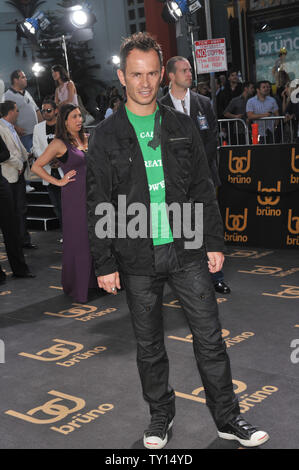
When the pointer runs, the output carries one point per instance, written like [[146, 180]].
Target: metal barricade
[[272, 130], [233, 132]]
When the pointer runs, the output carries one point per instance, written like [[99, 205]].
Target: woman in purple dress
[[69, 147]]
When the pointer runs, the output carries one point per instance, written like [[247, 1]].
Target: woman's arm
[[56, 96], [71, 93], [55, 150]]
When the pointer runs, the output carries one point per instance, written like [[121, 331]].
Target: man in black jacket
[[9, 226], [142, 155], [199, 108]]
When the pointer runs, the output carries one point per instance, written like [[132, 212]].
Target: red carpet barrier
[[259, 196]]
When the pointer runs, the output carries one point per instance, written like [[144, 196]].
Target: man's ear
[[121, 77]]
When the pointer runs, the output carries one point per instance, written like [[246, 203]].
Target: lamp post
[[210, 36]]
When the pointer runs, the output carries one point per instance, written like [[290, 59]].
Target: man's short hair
[[232, 70], [247, 85], [15, 75], [170, 66], [50, 102], [6, 107], [259, 84], [143, 42]]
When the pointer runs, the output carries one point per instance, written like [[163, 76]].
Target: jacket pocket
[[180, 149], [121, 162]]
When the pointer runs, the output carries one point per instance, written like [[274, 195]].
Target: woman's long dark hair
[[61, 130], [63, 73]]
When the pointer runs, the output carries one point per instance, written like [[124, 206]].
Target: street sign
[[211, 55], [194, 5]]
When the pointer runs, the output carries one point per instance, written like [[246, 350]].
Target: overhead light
[[37, 69], [115, 60], [174, 10], [29, 27], [80, 16]]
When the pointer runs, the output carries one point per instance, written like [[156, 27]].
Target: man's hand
[[110, 283], [216, 260]]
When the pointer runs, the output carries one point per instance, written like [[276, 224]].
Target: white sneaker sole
[[257, 439], [153, 442]]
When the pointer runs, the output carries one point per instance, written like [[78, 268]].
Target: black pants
[[9, 225], [195, 292], [20, 207]]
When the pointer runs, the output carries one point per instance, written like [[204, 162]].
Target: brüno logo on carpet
[[62, 350], [59, 408]]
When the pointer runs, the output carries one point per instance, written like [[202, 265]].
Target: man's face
[[13, 115], [233, 78], [183, 74], [264, 89], [142, 78], [48, 112], [204, 90], [251, 89], [21, 82]]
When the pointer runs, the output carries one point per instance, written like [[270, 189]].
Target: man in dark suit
[[199, 108], [9, 225]]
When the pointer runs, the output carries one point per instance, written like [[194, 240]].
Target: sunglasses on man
[[48, 110]]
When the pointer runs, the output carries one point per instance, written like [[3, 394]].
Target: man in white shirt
[[29, 113], [14, 168], [43, 134], [260, 106]]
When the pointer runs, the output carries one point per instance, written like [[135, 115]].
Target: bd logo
[[268, 200], [294, 160], [293, 223], [236, 222], [58, 409], [53, 410], [57, 352], [290, 292], [239, 164]]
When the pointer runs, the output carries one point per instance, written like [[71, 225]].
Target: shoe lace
[[158, 426]]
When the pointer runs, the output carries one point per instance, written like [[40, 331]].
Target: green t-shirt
[[144, 128]]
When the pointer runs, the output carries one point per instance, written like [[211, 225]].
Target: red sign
[[211, 55]]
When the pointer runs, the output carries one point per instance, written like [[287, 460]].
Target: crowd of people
[[151, 151], [252, 101]]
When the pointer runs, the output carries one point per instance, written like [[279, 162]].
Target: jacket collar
[[169, 121]]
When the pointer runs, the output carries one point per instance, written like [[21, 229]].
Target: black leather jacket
[[115, 166]]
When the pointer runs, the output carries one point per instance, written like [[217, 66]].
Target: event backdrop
[[259, 196], [267, 46]]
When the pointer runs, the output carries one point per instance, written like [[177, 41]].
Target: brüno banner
[[259, 196], [267, 46]]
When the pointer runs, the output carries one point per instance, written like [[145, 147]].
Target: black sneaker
[[238, 429], [155, 437]]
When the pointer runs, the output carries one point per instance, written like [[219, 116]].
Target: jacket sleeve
[[4, 152], [99, 191], [14, 160], [214, 135], [202, 190]]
